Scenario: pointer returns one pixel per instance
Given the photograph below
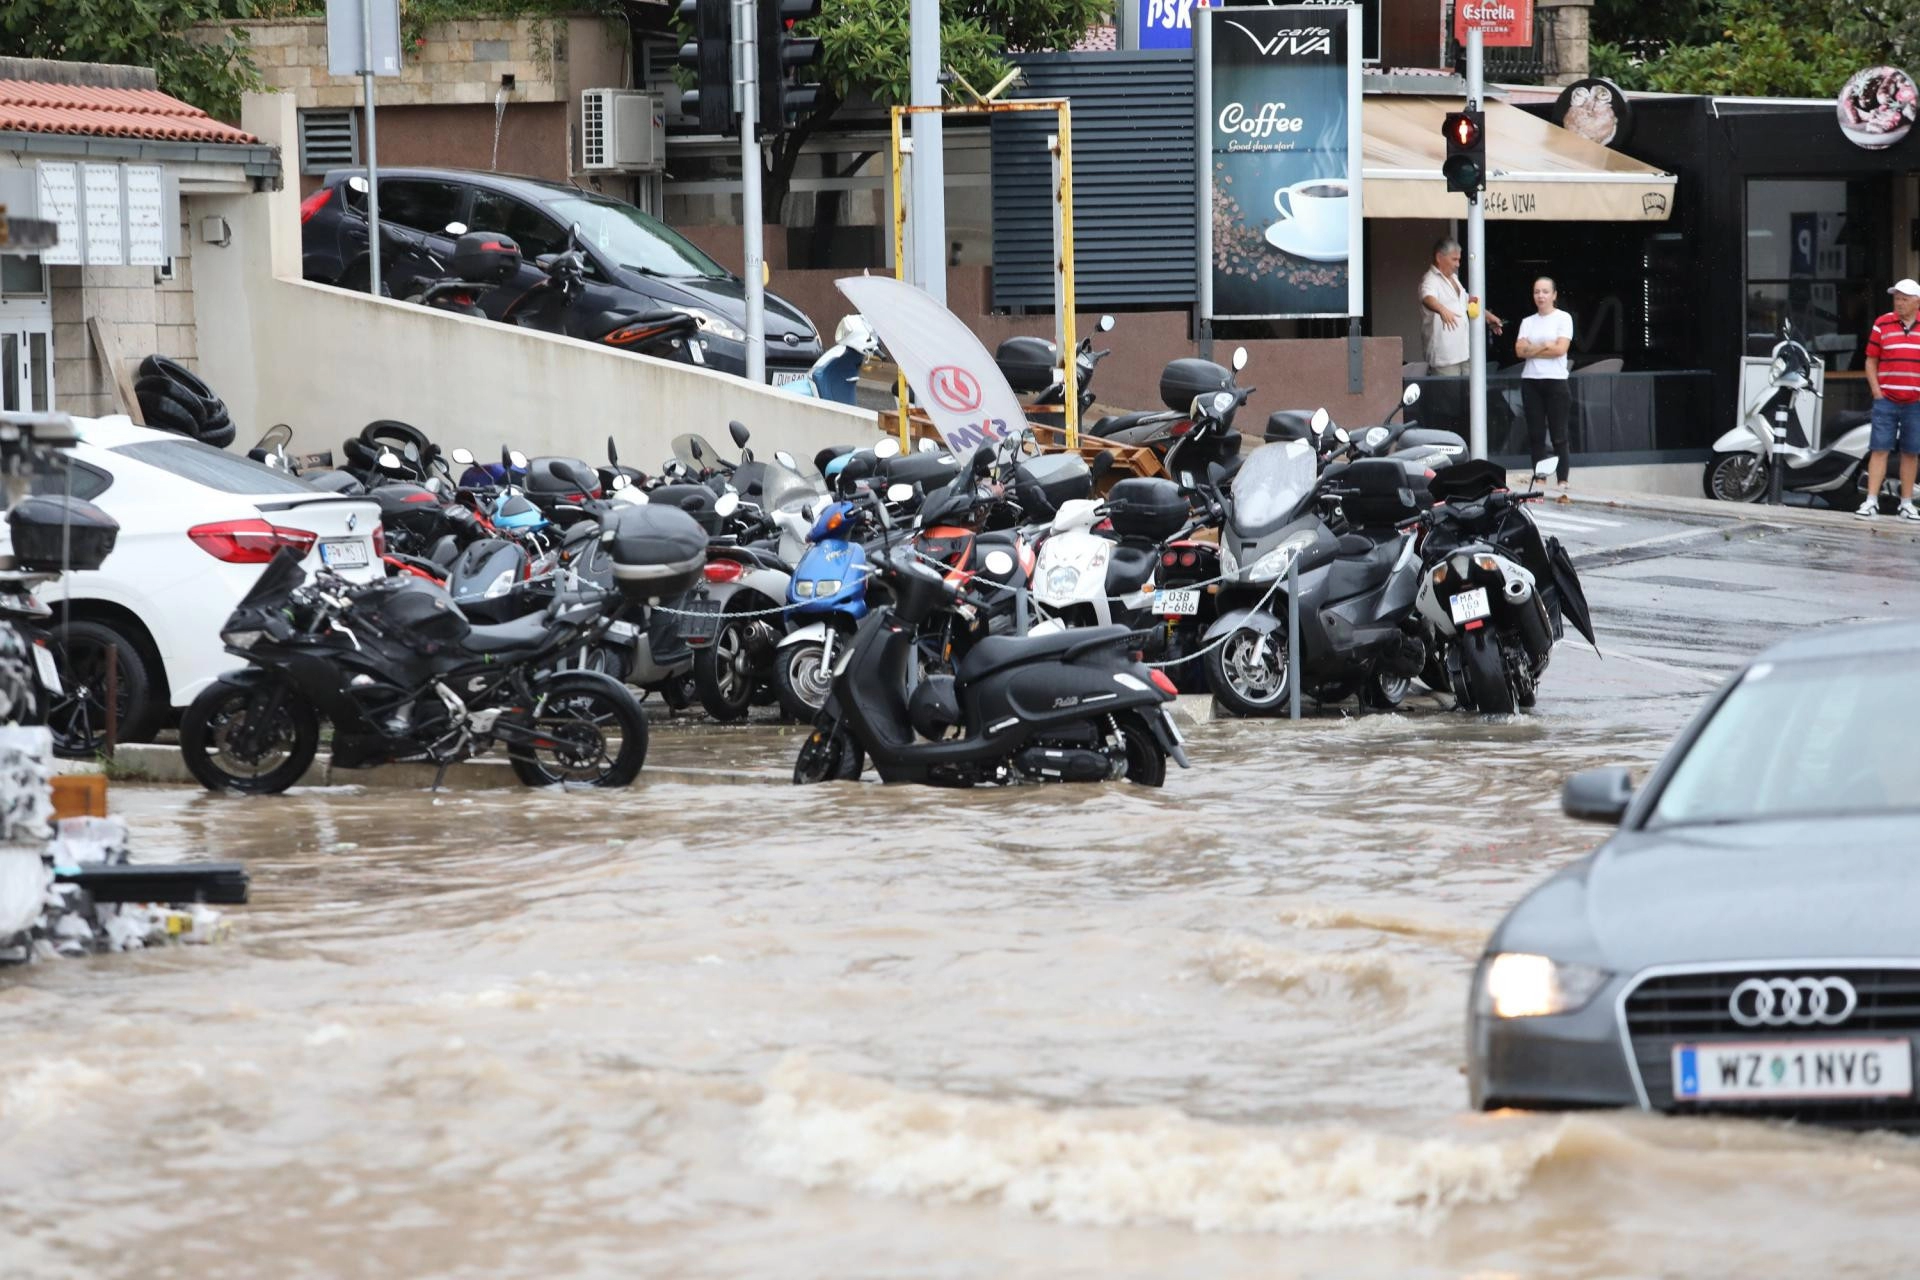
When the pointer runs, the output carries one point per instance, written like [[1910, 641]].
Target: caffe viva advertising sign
[[1278, 94]]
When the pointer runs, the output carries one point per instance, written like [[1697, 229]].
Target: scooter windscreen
[[1272, 485]]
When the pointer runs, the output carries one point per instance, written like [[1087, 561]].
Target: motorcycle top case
[[52, 532], [1028, 363], [1188, 377], [1146, 507], [696, 500], [1289, 424], [657, 550], [564, 478], [411, 507], [1041, 484], [485, 257]]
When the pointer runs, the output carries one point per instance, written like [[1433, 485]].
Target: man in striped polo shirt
[[1893, 379]]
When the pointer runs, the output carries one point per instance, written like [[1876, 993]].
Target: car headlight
[[1514, 984], [710, 323], [242, 639], [1274, 564], [1063, 580]]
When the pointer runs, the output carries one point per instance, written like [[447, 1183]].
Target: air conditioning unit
[[622, 131]]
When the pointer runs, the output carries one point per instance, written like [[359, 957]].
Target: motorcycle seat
[[1128, 421], [996, 653], [1129, 565], [529, 632]]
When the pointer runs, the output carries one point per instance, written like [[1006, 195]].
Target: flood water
[[742, 1029]]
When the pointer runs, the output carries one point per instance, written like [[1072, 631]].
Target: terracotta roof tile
[[32, 107]]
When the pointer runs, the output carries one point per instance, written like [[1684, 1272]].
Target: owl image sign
[[1595, 109]]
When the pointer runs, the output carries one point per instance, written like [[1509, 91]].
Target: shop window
[[22, 276], [1816, 252]]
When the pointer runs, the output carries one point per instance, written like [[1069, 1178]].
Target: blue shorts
[[1895, 424]]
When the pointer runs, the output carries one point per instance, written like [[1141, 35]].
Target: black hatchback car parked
[[635, 260]]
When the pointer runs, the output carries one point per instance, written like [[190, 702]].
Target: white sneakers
[[1871, 508]]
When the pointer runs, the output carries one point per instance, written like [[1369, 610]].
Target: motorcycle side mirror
[[621, 481], [613, 454], [1544, 469], [456, 228], [1320, 421], [726, 504], [358, 184], [999, 563], [901, 492], [518, 460], [693, 447], [463, 457], [785, 459], [389, 460], [739, 432], [1106, 324], [1411, 396], [1340, 435], [926, 446], [888, 448], [1239, 359], [1186, 479]]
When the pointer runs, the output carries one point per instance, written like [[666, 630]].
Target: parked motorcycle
[[402, 675], [1032, 367], [835, 375], [1174, 434], [1493, 590], [1356, 593], [1072, 707], [1744, 459]]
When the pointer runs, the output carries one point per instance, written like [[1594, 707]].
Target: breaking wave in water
[[1248, 962], [1130, 1167], [1464, 939]]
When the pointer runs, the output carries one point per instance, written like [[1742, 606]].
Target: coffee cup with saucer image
[[1313, 220]]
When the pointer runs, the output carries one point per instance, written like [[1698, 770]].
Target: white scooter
[[1741, 469]]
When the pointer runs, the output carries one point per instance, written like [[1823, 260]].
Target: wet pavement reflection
[[740, 1029]]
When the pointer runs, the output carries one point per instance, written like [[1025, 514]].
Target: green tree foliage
[[209, 68], [1748, 47]]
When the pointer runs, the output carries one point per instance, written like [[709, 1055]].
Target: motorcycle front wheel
[[588, 731], [829, 754], [223, 752], [1737, 477], [1249, 673], [801, 678]]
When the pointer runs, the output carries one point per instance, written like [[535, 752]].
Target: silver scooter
[[1745, 459]]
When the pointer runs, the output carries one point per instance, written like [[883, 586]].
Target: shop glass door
[[1817, 254], [26, 366]]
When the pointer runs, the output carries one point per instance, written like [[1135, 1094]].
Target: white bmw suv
[[197, 526]]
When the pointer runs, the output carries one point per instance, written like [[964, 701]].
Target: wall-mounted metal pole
[[373, 148], [751, 219]]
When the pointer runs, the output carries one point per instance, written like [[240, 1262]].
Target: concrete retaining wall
[[327, 361]]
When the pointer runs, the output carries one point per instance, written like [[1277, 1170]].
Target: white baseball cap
[[1909, 287]]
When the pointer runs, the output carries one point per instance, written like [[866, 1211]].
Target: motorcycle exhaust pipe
[[1536, 634]]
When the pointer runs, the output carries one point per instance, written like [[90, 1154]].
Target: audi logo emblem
[[1792, 1002]]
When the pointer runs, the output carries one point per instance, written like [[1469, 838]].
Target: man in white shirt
[[1443, 301]]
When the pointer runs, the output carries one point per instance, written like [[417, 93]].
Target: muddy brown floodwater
[[748, 1030]]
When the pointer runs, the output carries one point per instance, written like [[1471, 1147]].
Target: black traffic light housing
[[709, 55], [1466, 164], [782, 54]]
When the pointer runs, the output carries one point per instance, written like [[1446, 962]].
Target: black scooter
[[1073, 707]]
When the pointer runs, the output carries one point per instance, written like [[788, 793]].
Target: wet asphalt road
[[747, 1030]]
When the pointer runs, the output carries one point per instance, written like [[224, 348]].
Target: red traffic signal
[[1466, 164], [1462, 129]]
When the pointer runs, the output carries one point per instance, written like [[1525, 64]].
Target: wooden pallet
[[1128, 460]]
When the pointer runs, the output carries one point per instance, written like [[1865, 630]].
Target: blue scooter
[[825, 602], [835, 374]]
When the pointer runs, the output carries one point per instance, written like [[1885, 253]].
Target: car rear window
[[76, 479], [203, 464], [1797, 740]]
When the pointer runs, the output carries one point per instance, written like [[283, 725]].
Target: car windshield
[[1794, 740], [1271, 485], [203, 464], [633, 239]]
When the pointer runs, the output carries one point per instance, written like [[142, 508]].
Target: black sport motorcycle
[[1071, 707], [402, 675]]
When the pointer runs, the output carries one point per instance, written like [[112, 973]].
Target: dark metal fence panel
[[1133, 185]]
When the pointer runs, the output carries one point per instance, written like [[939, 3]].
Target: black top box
[[485, 257], [1186, 378], [658, 551], [53, 533], [1028, 363], [1146, 507]]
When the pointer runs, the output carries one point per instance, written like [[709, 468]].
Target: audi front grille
[[1689, 1008]]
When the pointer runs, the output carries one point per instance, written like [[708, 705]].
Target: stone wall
[[455, 63], [147, 318]]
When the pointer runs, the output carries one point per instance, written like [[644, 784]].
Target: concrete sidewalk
[[1745, 512]]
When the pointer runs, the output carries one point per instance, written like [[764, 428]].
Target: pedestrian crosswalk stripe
[[1556, 519]]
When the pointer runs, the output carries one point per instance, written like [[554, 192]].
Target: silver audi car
[[1748, 942]]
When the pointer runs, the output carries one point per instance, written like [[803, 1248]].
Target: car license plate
[[343, 553], [1181, 603], [1765, 1069], [1469, 605], [701, 622], [781, 377], [49, 672]]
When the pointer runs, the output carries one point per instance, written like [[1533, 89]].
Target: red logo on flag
[[955, 388]]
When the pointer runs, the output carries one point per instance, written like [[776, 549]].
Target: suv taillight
[[314, 203], [249, 541], [380, 538]]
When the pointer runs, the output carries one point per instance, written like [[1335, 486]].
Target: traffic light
[[709, 55], [1466, 162], [782, 53]]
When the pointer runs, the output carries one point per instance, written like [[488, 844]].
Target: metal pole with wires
[[1293, 638]]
